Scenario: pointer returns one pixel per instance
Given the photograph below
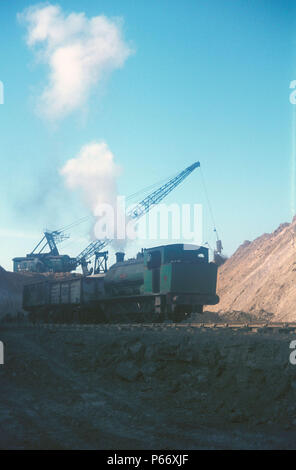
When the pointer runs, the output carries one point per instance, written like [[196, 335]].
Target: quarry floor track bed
[[256, 327], [147, 386]]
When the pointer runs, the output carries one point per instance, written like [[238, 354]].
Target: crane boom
[[139, 210], [51, 239], [159, 194], [90, 250]]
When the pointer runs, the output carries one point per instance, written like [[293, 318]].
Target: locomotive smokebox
[[119, 257]]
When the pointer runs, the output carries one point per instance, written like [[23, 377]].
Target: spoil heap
[[260, 278]]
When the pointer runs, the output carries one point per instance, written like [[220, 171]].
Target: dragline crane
[[40, 261], [51, 239], [52, 261], [136, 213]]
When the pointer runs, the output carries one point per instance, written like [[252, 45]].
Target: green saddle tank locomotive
[[162, 283]]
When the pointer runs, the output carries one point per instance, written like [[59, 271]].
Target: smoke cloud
[[94, 172], [79, 52]]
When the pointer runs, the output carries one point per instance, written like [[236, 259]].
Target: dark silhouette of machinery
[[52, 261]]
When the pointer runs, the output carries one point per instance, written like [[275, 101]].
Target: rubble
[[151, 388]]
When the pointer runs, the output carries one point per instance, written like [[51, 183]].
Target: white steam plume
[[94, 172], [79, 51]]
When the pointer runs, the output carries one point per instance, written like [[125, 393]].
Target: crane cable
[[152, 186], [208, 202], [142, 191], [128, 198], [75, 223]]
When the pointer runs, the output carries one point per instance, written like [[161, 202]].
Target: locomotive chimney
[[119, 257]]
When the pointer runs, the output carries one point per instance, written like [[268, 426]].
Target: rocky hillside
[[260, 277]]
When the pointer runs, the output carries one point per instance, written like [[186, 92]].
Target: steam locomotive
[[162, 283]]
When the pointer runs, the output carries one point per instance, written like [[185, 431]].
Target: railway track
[[253, 327]]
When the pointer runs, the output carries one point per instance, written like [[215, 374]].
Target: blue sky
[[207, 80]]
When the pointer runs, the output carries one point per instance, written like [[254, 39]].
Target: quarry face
[[259, 278]]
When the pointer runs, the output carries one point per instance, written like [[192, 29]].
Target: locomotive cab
[[182, 276]]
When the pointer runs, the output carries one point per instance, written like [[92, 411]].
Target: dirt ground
[[123, 387]]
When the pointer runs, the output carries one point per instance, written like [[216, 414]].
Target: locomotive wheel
[[177, 314], [132, 311]]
